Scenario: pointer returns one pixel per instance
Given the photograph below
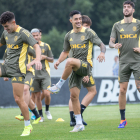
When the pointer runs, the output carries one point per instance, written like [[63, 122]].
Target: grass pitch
[[102, 124]]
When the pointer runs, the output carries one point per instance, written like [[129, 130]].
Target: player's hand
[[101, 57], [56, 65], [38, 64], [86, 79], [117, 45], [6, 79], [136, 50], [28, 66]]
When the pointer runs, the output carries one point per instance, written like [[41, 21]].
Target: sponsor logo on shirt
[[11, 46], [128, 36], [78, 45], [43, 50]]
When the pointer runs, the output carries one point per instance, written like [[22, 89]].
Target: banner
[[107, 92]]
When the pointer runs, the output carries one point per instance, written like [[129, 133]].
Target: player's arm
[[101, 57], [28, 38], [64, 53], [61, 58], [1, 44], [113, 37], [49, 55]]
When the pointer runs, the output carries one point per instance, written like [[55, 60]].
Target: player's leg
[[72, 117], [72, 64], [76, 108], [45, 83], [124, 75], [42, 96]]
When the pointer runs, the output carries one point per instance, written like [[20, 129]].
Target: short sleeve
[[93, 37], [5, 54], [49, 51], [66, 45], [28, 38], [113, 32], [31, 51], [2, 39]]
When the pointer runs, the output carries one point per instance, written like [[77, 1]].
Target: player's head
[[128, 8], [86, 21], [76, 18], [36, 34], [7, 20]]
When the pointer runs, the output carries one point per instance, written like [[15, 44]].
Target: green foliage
[[55, 39]]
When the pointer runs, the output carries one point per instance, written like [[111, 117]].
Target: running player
[[42, 78], [17, 40], [88, 82], [27, 84], [80, 40], [127, 31]]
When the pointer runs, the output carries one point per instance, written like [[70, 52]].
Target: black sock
[[82, 109], [71, 116], [47, 107], [35, 113], [40, 112], [122, 112]]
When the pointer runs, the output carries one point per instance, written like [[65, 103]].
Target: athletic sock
[[35, 113], [72, 116], [40, 112], [78, 119], [122, 112], [21, 114], [47, 107], [82, 109], [27, 122], [60, 83]]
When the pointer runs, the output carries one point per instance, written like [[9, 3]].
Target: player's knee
[[17, 99], [123, 91], [69, 62], [73, 97], [26, 90]]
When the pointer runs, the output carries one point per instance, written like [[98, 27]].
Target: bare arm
[[101, 57], [49, 59], [1, 44], [102, 47], [113, 45], [38, 57], [61, 58]]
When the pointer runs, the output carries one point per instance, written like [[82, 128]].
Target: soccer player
[[88, 82], [27, 84], [17, 40], [127, 31], [80, 40], [42, 77]]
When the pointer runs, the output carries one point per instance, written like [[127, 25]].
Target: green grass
[[102, 124]]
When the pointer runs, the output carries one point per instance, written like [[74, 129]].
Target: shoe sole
[[19, 119], [29, 134], [52, 92]]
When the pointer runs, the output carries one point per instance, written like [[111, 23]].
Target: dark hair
[[129, 2], [40, 30], [86, 19], [6, 17], [74, 12]]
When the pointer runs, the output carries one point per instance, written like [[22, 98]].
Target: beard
[[129, 15]]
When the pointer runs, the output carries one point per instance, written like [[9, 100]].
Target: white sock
[[26, 122], [60, 83], [78, 119]]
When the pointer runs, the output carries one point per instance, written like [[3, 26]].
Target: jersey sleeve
[[66, 45], [28, 38], [31, 51], [48, 49], [2, 39], [93, 37], [5, 54], [113, 32]]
